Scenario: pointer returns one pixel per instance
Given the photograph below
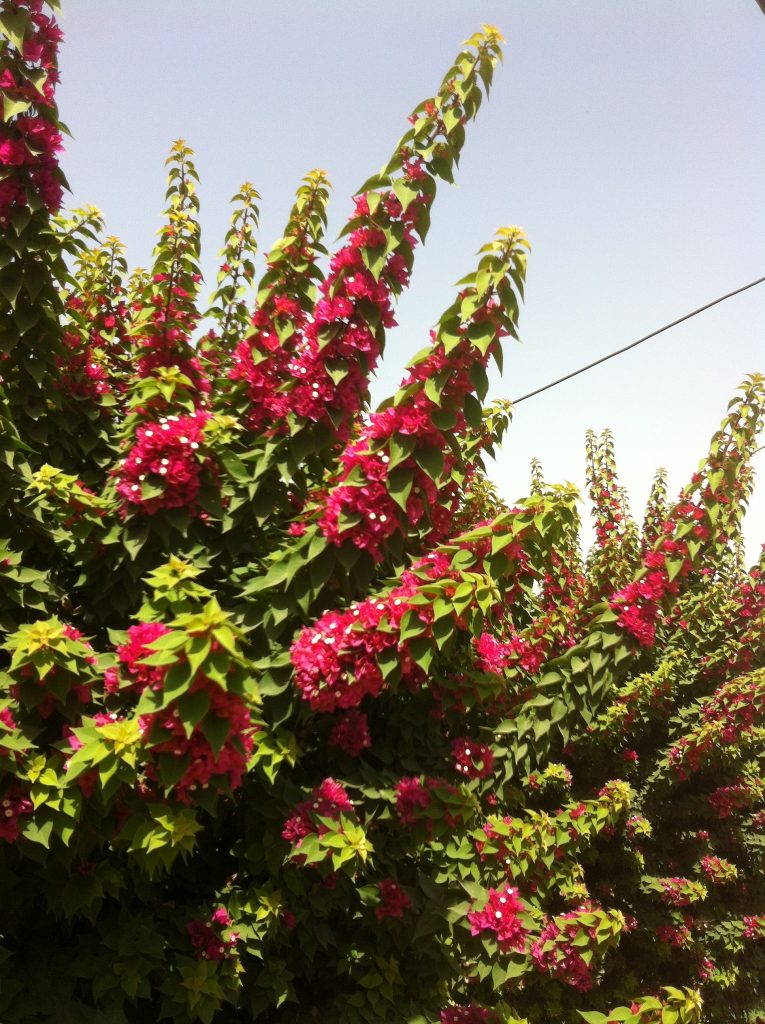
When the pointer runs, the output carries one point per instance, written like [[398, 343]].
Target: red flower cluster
[[500, 916], [335, 660], [165, 454], [638, 604], [344, 331], [30, 141], [414, 795], [680, 892], [496, 656], [554, 951], [740, 796], [563, 586], [679, 936], [705, 969], [393, 900], [718, 870], [754, 928], [411, 795], [82, 374], [166, 338], [468, 1015], [731, 714], [12, 805], [165, 733], [207, 937], [637, 825], [261, 359], [97, 352], [329, 800], [472, 760], [351, 734], [132, 654]]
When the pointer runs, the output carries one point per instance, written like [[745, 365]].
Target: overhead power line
[[633, 344]]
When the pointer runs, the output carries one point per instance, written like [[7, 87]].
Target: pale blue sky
[[626, 136]]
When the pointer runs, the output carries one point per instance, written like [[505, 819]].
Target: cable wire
[[619, 351]]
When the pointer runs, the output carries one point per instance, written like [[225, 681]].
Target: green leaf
[[411, 626], [473, 411], [235, 467], [10, 284], [444, 419], [431, 460], [192, 708], [404, 192], [479, 380], [38, 833], [482, 335], [13, 107], [216, 731], [400, 485], [422, 651], [400, 447], [13, 25]]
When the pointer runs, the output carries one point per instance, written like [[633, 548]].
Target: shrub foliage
[[298, 719]]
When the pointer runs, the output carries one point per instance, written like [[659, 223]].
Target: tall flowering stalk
[[656, 509], [164, 457], [228, 306], [285, 297], [31, 190], [617, 540], [344, 341], [95, 369], [402, 475]]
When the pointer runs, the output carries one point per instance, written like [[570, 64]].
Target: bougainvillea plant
[[298, 719]]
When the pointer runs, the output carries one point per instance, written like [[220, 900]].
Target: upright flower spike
[[657, 509], [165, 314], [564, 581], [538, 476], [479, 499], [286, 296], [228, 303], [100, 278], [31, 187], [165, 453], [30, 136], [95, 367], [402, 476], [79, 377], [340, 347], [348, 331], [615, 530]]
